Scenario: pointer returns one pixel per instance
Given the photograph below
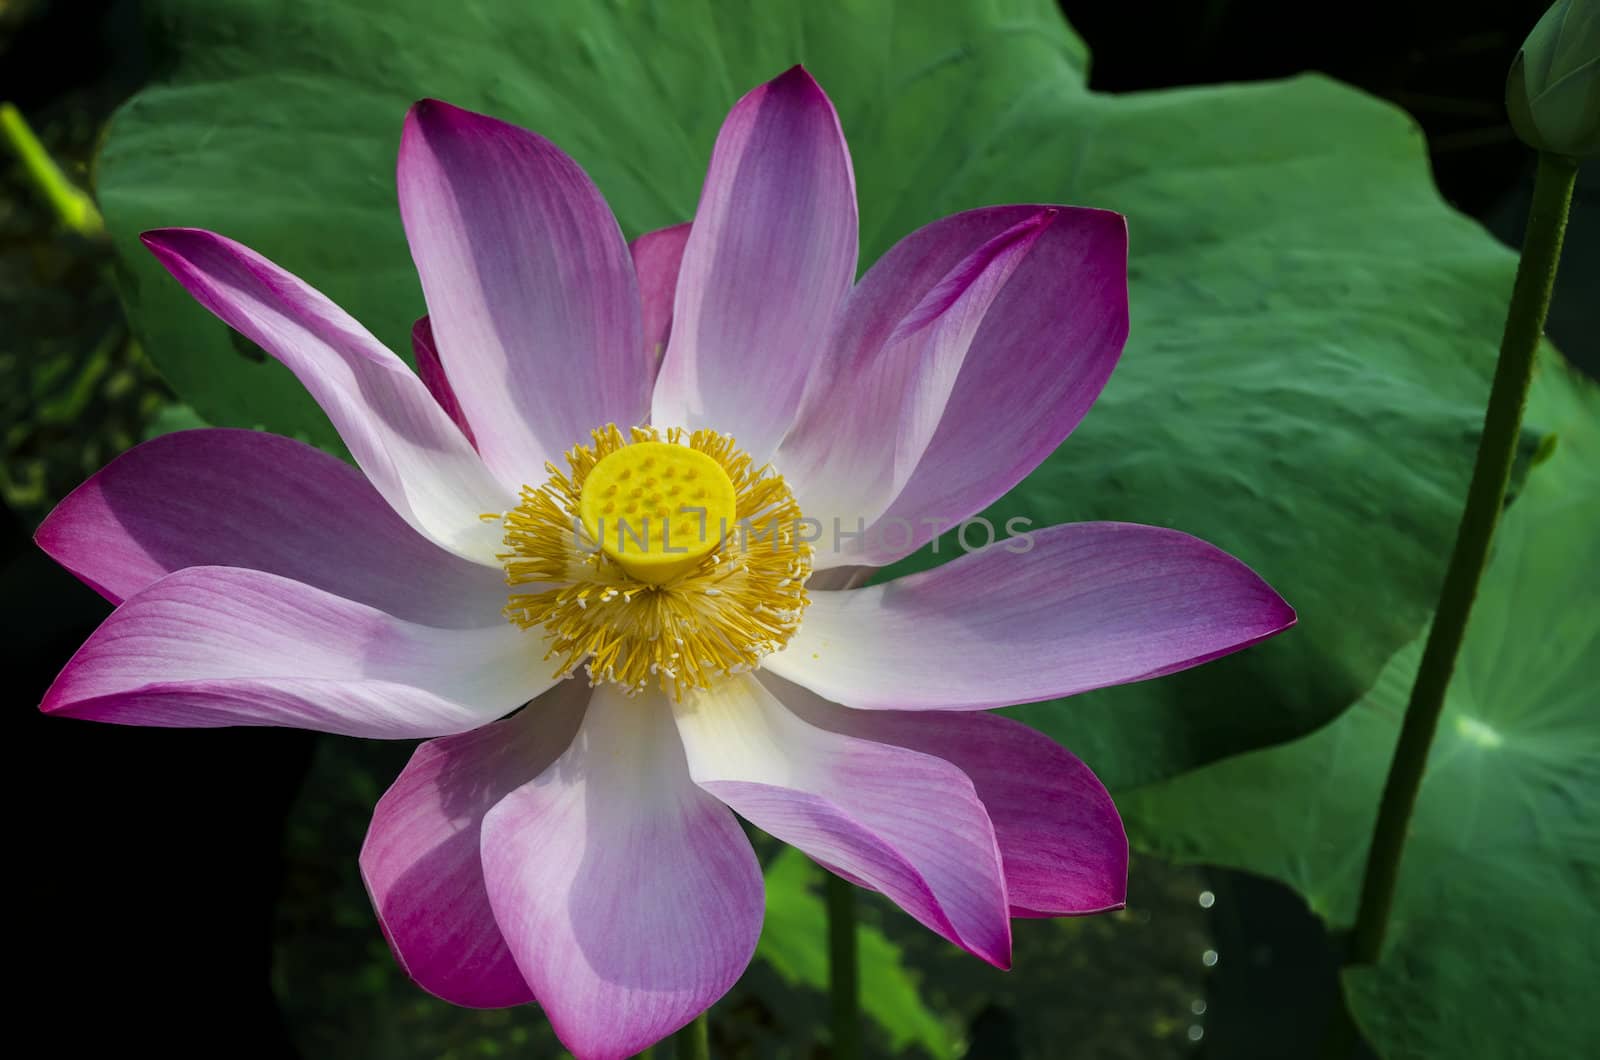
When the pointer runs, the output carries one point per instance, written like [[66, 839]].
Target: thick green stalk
[[70, 203], [1502, 426], [844, 977], [694, 1041]]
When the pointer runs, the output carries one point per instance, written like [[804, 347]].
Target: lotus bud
[[1553, 91]]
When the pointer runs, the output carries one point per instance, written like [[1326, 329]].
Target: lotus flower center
[[657, 557], [657, 508]]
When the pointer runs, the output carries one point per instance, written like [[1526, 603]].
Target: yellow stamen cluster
[[713, 603]]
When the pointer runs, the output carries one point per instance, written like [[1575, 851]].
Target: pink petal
[[431, 372], [530, 290], [421, 860], [1091, 605], [1045, 347], [411, 452], [771, 255], [656, 257], [630, 899], [213, 646], [229, 498], [1060, 836], [904, 823], [872, 407]]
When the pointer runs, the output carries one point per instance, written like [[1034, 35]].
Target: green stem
[[1502, 425], [844, 975], [694, 1041], [71, 204]]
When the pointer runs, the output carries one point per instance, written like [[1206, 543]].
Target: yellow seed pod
[[657, 508]]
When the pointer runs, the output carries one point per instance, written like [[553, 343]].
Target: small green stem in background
[[1502, 426], [844, 976], [71, 204], [694, 1041]]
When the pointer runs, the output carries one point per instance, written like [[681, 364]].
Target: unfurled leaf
[[1312, 326], [1490, 946]]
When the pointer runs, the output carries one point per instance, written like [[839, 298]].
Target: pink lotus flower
[[584, 851]]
